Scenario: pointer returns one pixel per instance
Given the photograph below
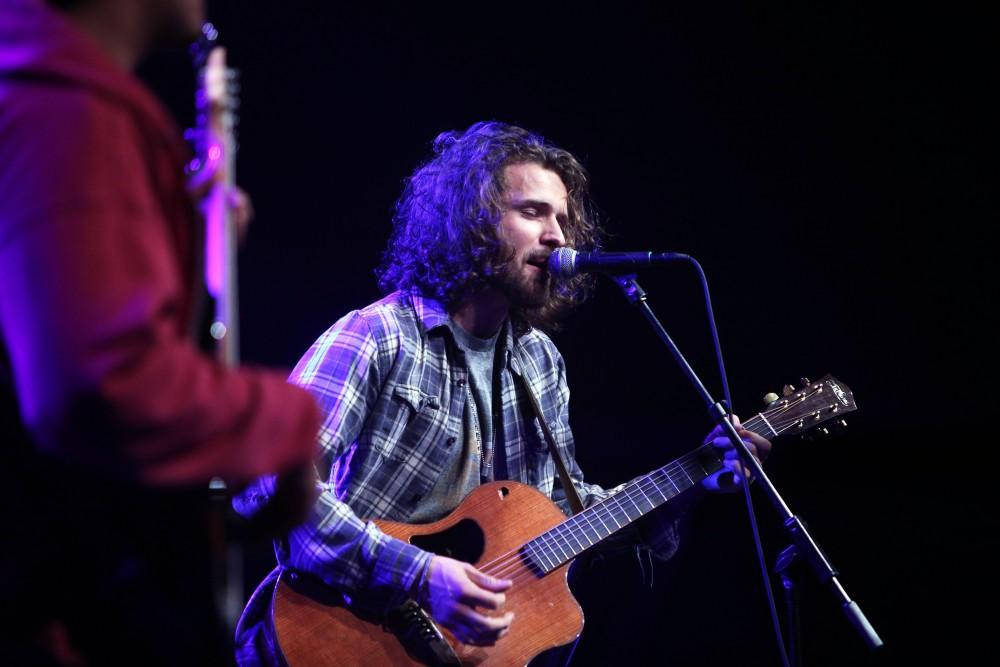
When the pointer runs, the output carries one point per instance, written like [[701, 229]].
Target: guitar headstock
[[797, 411], [216, 102], [207, 40], [211, 183]]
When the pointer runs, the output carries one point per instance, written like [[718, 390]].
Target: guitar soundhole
[[464, 541]]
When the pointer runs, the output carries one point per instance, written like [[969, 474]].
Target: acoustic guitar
[[511, 531]]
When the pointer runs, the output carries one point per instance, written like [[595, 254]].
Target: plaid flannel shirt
[[391, 386]]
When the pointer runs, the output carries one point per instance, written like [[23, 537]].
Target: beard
[[525, 287]]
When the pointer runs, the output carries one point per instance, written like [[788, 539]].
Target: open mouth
[[540, 263]]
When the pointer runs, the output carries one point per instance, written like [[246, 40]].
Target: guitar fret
[[673, 482], [558, 544], [632, 499], [750, 426], [585, 516], [540, 550], [668, 487], [659, 489], [648, 501], [656, 487], [565, 534], [696, 469], [562, 543], [609, 511], [623, 509], [604, 527], [571, 530]]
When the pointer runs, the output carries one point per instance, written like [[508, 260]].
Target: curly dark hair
[[445, 242]]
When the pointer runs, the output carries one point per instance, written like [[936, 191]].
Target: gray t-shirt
[[479, 355], [468, 467]]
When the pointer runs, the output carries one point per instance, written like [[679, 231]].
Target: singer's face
[[536, 211]]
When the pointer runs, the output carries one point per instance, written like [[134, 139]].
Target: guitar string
[[654, 482], [544, 548], [547, 543], [535, 546], [547, 550], [545, 553], [540, 558]]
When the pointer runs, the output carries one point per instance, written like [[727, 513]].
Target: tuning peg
[[770, 398], [804, 382], [787, 390], [838, 426]]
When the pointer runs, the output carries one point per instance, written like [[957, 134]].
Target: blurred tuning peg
[[770, 398], [787, 390], [804, 382]]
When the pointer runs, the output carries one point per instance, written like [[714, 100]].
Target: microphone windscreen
[[562, 262]]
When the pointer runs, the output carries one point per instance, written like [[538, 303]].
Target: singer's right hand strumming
[[460, 597]]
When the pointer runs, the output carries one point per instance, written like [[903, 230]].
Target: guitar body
[[493, 520]]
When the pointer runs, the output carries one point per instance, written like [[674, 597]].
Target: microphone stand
[[804, 546], [785, 567]]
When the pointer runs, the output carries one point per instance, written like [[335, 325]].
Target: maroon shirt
[[97, 277]]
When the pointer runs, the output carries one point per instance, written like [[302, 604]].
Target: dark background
[[827, 166]]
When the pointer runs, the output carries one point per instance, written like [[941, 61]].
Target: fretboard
[[636, 499]]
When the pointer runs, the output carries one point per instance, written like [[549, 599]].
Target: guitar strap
[[567, 483]]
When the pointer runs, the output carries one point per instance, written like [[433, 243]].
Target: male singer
[[426, 394]]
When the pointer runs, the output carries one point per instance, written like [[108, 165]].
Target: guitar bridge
[[420, 636]]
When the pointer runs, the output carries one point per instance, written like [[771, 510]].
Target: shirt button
[[461, 383]]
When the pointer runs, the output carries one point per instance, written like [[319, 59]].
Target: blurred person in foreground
[[113, 420]]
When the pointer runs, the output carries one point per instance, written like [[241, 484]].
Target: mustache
[[538, 257]]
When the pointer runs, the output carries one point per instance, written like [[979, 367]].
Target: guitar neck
[[639, 497], [215, 164]]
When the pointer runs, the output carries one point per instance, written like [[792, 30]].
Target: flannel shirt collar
[[432, 314]]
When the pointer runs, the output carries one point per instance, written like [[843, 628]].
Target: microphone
[[566, 262]]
